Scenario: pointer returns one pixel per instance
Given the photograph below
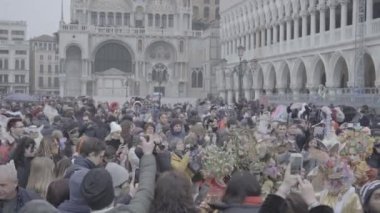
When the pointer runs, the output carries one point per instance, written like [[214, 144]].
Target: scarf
[[253, 200]]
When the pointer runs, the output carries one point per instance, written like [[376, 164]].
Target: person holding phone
[[275, 203]]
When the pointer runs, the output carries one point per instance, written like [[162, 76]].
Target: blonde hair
[[41, 175], [47, 147]]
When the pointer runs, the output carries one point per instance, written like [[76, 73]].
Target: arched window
[[110, 19], [206, 12], [164, 18], [194, 79], [150, 20], [160, 73], [157, 20], [102, 19], [200, 79], [118, 19], [217, 15], [196, 12], [181, 47], [17, 64]]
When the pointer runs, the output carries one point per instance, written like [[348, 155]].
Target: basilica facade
[[121, 48]]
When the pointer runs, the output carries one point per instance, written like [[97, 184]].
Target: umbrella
[[21, 97]]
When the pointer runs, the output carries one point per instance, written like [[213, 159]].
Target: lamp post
[[241, 71]]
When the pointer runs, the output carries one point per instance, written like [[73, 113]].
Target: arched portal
[[369, 71], [271, 80], [113, 55], [73, 67], [341, 73], [301, 78], [320, 74], [285, 77]]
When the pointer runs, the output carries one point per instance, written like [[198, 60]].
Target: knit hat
[[118, 173], [97, 189], [367, 190], [115, 127], [39, 206]]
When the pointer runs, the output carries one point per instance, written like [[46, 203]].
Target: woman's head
[[242, 185], [49, 147], [149, 128], [370, 197], [62, 165], [41, 174], [26, 148], [168, 200]]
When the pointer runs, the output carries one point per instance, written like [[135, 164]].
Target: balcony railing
[[341, 96], [121, 30]]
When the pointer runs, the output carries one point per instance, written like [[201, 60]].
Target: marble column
[[83, 89], [268, 29], [332, 17], [313, 22], [263, 37], [296, 27], [288, 30], [247, 94], [322, 20], [275, 34], [257, 94], [257, 38], [282, 29], [304, 23], [369, 10], [343, 21]]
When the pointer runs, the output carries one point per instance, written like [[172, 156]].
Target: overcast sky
[[42, 16]]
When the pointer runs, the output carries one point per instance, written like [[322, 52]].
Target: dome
[[111, 5]]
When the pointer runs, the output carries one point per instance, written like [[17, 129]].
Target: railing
[[120, 30], [344, 96]]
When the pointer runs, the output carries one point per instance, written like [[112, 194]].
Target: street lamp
[[241, 51]]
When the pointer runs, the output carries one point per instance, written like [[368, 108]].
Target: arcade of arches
[[298, 77]]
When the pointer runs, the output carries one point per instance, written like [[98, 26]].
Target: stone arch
[[369, 71], [270, 79], [105, 42], [341, 74], [284, 76], [112, 55], [248, 80], [299, 76], [162, 50], [319, 73], [73, 69]]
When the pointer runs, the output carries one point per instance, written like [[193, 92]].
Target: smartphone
[[296, 161]]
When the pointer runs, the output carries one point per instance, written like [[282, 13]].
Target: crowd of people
[[75, 156]]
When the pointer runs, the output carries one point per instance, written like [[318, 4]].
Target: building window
[[49, 68], [49, 57], [20, 52], [17, 64], [56, 69], [197, 78], [110, 19], [118, 19], [157, 20], [102, 19], [140, 45], [171, 21], [41, 68], [5, 64], [17, 32], [163, 21], [49, 46], [41, 57], [206, 1], [22, 64], [94, 18], [1, 64], [181, 46], [17, 79], [49, 82], [150, 20], [41, 82], [217, 15], [4, 51], [4, 32], [56, 82], [127, 19], [216, 2], [22, 79], [196, 12], [206, 12], [56, 57]]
